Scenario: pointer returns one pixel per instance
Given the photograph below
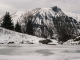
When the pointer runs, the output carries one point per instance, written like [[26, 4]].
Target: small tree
[[7, 22], [29, 28], [18, 27]]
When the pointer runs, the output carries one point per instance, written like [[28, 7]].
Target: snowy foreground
[[40, 52], [35, 51], [7, 36]]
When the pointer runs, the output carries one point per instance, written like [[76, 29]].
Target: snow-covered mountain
[[44, 20]]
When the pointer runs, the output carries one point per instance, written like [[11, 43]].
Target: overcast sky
[[23, 5]]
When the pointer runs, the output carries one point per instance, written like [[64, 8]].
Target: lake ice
[[40, 52]]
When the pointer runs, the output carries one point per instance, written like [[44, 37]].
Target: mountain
[[43, 21], [49, 22], [52, 23]]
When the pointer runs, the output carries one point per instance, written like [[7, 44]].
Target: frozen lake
[[40, 52]]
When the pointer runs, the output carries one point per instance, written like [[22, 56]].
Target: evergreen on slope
[[18, 27], [29, 28], [7, 22]]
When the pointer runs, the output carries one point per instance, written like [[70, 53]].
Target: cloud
[[23, 5]]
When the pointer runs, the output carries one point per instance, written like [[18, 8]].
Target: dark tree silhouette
[[7, 22], [18, 27], [29, 28]]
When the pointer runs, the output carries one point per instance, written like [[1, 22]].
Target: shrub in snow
[[77, 38], [45, 41], [54, 42], [11, 42]]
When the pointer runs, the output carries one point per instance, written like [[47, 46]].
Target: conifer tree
[[29, 28], [18, 27], [7, 22]]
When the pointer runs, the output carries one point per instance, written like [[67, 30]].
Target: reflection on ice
[[71, 51], [45, 52]]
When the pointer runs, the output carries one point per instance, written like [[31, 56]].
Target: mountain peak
[[56, 9]]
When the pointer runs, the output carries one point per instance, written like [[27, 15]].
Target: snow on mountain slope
[[11, 36], [17, 16], [54, 11], [43, 20], [73, 15]]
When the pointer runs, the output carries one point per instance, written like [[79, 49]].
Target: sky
[[24, 5]]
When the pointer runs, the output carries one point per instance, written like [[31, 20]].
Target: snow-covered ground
[[40, 52], [7, 36]]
